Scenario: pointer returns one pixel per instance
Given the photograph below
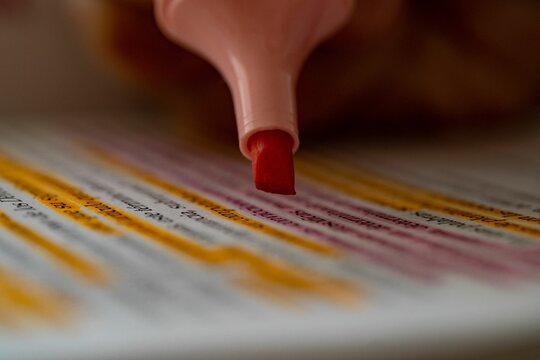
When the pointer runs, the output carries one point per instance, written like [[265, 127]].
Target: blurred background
[[398, 65], [45, 67]]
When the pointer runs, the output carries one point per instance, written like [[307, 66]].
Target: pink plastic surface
[[259, 47]]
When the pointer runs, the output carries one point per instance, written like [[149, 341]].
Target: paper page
[[118, 240]]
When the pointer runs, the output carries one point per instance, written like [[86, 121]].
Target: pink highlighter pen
[[259, 47]]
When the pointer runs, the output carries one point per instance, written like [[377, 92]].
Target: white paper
[[120, 240]]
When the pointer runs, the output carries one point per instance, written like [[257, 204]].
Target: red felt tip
[[272, 158]]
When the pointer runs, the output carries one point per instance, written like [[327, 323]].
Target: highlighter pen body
[[259, 47]]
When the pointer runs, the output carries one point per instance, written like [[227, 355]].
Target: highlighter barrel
[[259, 47]]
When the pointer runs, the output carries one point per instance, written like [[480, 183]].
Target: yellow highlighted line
[[353, 189], [78, 265], [216, 208], [28, 303], [23, 180], [399, 196], [270, 272]]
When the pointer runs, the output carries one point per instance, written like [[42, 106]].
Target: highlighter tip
[[272, 160]]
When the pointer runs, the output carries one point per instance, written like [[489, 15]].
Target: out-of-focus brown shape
[[450, 61], [445, 62]]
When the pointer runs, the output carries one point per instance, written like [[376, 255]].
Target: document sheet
[[121, 240]]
